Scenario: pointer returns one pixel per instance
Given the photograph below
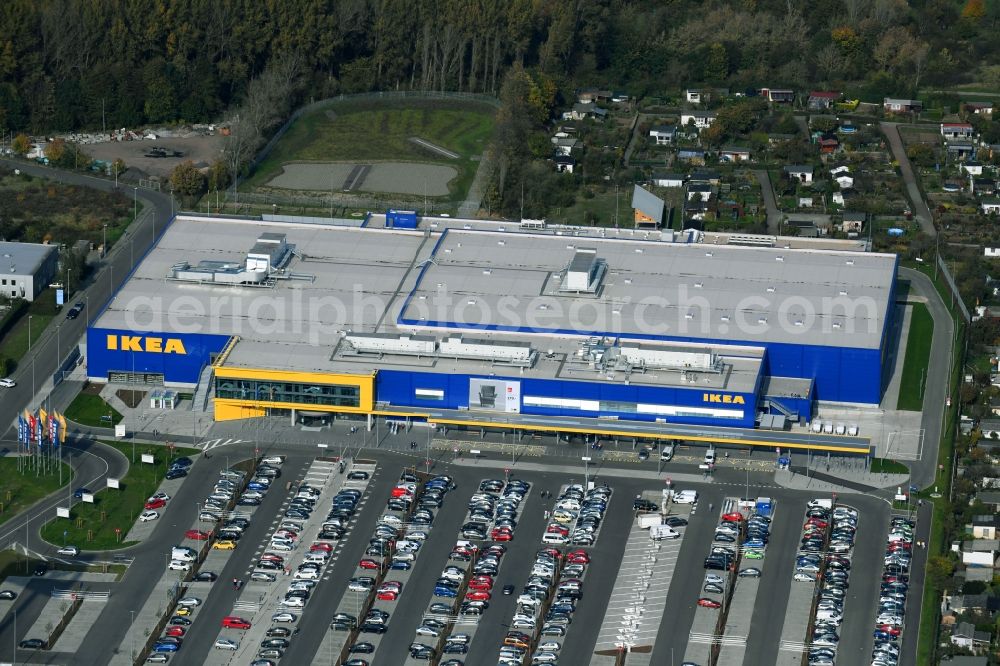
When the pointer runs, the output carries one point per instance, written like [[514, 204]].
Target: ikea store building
[[492, 325]]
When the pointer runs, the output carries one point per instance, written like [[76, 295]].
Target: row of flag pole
[[41, 429]]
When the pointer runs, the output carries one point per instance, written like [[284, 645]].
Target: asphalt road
[[920, 210], [767, 191], [922, 472], [41, 361]]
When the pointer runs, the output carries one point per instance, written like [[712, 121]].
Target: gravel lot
[[202, 150]]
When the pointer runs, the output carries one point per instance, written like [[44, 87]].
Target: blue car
[[166, 647], [884, 636], [79, 492], [401, 564], [442, 591], [754, 543], [253, 485]]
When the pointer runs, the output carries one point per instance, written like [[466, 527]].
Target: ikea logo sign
[[140, 343], [723, 398]]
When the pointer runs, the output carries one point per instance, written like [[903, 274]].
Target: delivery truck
[[647, 520]]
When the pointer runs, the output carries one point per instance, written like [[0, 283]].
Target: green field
[[87, 409], [22, 489], [15, 343], [918, 350], [92, 526], [380, 131]]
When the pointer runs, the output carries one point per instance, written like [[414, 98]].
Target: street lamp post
[[135, 203], [104, 240], [29, 332], [58, 345], [586, 471], [131, 633]]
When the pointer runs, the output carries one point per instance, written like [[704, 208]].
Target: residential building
[[983, 526], [845, 181], [564, 145], [973, 168], [991, 499], [691, 156], [902, 105], [663, 134], [733, 154], [26, 268], [699, 192], [984, 186], [956, 130], [853, 222], [822, 100], [647, 209], [585, 110], [778, 96], [694, 96], [990, 428], [990, 206], [668, 179], [710, 176], [979, 108], [965, 636], [564, 163], [799, 172], [701, 119], [960, 149], [591, 95]]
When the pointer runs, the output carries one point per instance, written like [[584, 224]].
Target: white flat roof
[[345, 279]]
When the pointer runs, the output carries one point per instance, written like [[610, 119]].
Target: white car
[[556, 539], [284, 546], [163, 496], [189, 602], [273, 460], [293, 602], [804, 578], [284, 617], [308, 574], [178, 565], [685, 497], [7, 382], [148, 516], [71, 551], [226, 644]]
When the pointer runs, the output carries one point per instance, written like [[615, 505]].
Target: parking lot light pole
[[131, 633], [586, 471]]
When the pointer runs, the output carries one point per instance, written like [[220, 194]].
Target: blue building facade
[[179, 357]]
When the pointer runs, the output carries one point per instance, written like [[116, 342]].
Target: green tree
[[717, 63], [921, 153], [21, 145], [218, 176], [55, 150], [939, 570], [187, 179]]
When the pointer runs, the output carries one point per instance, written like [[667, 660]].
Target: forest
[[88, 64]]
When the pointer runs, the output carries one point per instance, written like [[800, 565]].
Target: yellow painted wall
[[225, 408]]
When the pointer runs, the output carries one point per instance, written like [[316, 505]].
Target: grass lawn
[[380, 131], [22, 489], [92, 526], [918, 350], [87, 409], [888, 466], [42, 311]]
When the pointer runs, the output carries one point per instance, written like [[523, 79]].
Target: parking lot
[[610, 611]]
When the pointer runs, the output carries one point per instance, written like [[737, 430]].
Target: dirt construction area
[[201, 150], [412, 178]]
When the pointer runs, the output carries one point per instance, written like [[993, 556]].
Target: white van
[[710, 456], [658, 532], [667, 451], [685, 496]]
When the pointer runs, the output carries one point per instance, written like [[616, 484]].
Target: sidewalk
[[145, 620]]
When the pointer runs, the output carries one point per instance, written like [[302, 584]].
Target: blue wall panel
[[119, 354], [398, 388]]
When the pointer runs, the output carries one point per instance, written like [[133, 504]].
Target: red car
[[501, 534], [818, 522], [556, 528], [480, 586], [368, 563], [890, 629], [399, 491], [554, 552], [709, 603], [735, 517], [198, 535], [156, 504], [325, 547], [477, 595], [496, 549], [578, 557], [174, 631], [388, 595], [234, 622]]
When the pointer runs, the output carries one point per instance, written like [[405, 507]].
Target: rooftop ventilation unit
[[264, 263], [585, 272]]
